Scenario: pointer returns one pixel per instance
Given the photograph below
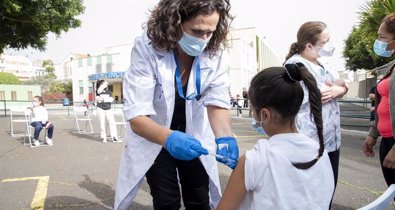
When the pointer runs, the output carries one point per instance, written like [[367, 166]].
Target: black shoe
[[116, 140]]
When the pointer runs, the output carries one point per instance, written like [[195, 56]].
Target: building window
[[90, 61], [90, 87], [2, 95], [109, 67], [109, 63], [29, 95], [81, 86], [98, 68], [13, 95], [109, 58], [98, 59], [80, 62]]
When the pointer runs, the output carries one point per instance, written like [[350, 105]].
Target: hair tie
[[289, 75], [293, 71]]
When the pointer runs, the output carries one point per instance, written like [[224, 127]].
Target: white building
[[85, 70], [18, 65], [249, 54]]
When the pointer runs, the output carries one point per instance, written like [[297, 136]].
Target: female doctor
[[176, 99]]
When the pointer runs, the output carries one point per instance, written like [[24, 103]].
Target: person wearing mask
[[104, 111], [176, 94], [286, 170], [39, 120], [313, 42], [384, 122]]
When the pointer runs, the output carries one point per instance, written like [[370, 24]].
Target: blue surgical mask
[[380, 48], [257, 125], [191, 45]]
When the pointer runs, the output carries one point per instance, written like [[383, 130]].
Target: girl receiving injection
[[289, 170]]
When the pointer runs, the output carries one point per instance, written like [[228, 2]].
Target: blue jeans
[[38, 126]]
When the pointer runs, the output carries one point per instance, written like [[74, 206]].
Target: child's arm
[[235, 189]]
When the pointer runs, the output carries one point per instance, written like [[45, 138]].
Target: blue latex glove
[[183, 146], [227, 147]]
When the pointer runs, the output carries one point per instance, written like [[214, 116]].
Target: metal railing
[[356, 111]]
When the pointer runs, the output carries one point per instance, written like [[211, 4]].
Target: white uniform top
[[148, 89], [39, 114], [330, 110], [272, 182]]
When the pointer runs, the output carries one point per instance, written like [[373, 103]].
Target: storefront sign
[[108, 75]]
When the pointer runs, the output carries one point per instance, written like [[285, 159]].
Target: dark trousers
[[38, 126], [385, 146], [334, 158], [245, 105], [163, 181]]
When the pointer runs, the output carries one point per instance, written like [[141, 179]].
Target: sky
[[108, 23]]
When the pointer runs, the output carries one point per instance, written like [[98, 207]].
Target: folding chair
[[18, 120], [81, 114], [119, 118], [383, 201]]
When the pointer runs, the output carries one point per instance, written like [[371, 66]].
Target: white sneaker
[[48, 141], [104, 140], [36, 143], [116, 140]]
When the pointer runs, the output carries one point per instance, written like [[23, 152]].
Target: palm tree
[[359, 44], [372, 13]]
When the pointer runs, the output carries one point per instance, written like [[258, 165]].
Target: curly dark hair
[[166, 18]]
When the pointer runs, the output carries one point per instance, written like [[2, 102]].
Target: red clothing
[[383, 110]]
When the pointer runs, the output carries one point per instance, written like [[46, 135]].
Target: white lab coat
[[148, 89]]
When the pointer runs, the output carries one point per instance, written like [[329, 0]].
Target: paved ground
[[79, 171]]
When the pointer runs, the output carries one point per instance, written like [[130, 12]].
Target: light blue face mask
[[257, 125], [380, 48], [191, 45]]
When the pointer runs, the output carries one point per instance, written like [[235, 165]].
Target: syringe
[[222, 157]]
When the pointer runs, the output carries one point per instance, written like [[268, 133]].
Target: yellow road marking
[[374, 192], [41, 190]]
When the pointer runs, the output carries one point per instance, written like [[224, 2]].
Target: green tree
[[8, 78], [27, 23], [358, 50], [61, 87], [48, 65]]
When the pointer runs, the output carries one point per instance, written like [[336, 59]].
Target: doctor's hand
[[183, 146], [227, 147]]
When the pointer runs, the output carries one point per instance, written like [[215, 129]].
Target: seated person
[[39, 120]]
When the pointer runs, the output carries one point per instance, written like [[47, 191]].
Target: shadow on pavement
[[68, 202], [88, 136]]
